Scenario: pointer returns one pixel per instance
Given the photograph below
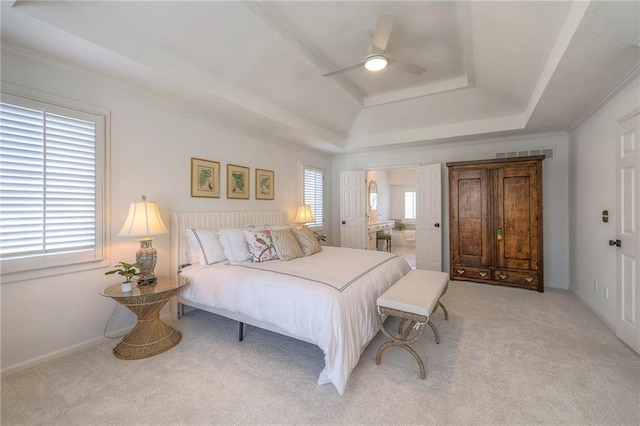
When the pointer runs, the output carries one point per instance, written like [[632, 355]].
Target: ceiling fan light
[[376, 63]]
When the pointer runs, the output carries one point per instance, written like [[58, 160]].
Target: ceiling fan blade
[[406, 66], [382, 32], [343, 69]]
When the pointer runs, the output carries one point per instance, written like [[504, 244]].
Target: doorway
[[396, 200]]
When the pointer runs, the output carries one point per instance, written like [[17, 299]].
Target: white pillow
[[234, 244], [206, 246], [191, 250]]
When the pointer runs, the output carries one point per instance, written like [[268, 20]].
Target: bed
[[327, 298]]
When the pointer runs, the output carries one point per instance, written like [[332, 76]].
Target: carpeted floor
[[507, 356]]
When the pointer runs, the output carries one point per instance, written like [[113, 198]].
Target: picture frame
[[238, 184], [265, 184], [205, 178]]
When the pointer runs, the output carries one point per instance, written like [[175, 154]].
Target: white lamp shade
[[304, 215], [143, 221]]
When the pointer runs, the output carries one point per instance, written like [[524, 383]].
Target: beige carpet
[[507, 356]]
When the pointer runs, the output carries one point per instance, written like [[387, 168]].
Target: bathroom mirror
[[373, 195]]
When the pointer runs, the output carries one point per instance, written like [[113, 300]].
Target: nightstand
[[150, 336]]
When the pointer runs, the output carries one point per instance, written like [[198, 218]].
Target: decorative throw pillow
[[286, 244], [260, 245], [234, 244], [206, 246], [307, 240]]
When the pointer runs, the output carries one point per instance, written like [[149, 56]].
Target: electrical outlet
[[606, 293], [595, 285]]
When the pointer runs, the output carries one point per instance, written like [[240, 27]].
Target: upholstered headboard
[[214, 220]]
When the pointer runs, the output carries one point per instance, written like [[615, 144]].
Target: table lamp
[[304, 216], [144, 221]]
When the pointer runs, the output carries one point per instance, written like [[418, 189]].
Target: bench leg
[[446, 313], [390, 343], [403, 341], [435, 331]]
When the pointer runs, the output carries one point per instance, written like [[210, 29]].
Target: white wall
[[592, 189], [151, 146], [555, 182]]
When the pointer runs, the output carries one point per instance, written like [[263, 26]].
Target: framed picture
[[205, 178], [265, 184], [237, 182]]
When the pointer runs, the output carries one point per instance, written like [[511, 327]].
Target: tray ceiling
[[492, 68]]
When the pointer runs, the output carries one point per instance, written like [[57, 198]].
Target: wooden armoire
[[495, 221]]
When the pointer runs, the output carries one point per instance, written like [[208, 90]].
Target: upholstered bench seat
[[414, 298]]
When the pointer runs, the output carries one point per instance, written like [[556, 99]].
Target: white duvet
[[327, 299]]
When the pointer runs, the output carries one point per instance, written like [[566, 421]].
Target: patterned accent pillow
[[260, 245], [307, 240], [286, 244]]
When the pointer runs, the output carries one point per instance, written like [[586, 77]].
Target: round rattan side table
[[150, 336]]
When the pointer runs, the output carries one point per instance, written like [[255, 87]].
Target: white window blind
[[48, 185], [313, 193]]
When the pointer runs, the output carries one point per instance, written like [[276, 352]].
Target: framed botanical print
[[265, 184], [237, 182], [205, 178]]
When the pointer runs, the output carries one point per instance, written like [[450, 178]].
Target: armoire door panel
[[470, 221], [515, 212]]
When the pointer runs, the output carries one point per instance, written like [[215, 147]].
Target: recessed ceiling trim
[[569, 28], [451, 130], [263, 12], [417, 92], [466, 34]]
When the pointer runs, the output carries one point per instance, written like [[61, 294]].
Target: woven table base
[[138, 345], [150, 336]]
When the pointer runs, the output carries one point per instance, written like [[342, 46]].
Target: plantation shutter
[[313, 193], [47, 181]]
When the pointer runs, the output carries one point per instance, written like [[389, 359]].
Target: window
[[312, 182], [51, 185], [410, 205]]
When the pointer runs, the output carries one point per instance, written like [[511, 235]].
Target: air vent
[[547, 152]]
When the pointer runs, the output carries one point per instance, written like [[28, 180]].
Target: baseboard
[[8, 371], [612, 327]]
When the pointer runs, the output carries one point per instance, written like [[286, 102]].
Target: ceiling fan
[[376, 59]]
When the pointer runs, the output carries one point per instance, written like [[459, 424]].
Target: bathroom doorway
[[396, 200]]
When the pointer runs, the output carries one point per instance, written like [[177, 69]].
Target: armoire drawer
[[464, 272], [528, 279]]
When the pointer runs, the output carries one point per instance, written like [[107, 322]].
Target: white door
[[429, 217], [353, 214], [627, 187]]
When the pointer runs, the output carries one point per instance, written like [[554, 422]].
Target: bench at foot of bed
[[414, 298]]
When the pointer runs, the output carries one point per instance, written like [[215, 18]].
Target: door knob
[[437, 225], [616, 243]]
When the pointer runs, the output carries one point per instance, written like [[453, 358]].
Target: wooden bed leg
[[240, 331]]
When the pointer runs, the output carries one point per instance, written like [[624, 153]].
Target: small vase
[[126, 287]]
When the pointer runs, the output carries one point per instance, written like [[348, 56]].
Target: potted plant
[[128, 271], [320, 237], [399, 226]]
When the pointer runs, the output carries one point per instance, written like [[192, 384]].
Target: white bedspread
[[334, 309]]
